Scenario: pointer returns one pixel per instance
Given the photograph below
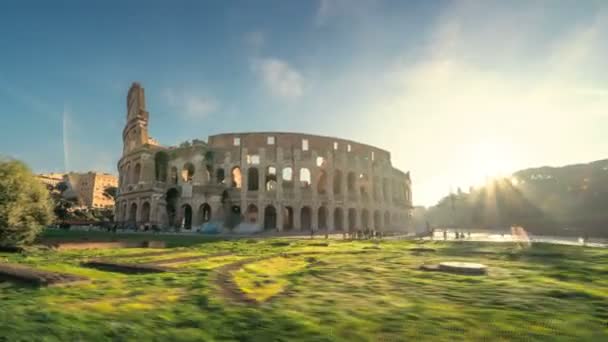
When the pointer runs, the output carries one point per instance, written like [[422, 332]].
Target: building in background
[[51, 179], [89, 188]]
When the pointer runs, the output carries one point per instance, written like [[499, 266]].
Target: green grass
[[346, 291]]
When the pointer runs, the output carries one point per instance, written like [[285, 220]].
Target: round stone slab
[[463, 267]]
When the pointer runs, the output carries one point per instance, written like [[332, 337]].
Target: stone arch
[[364, 185], [287, 218], [173, 175], [322, 218], [133, 213], [352, 219], [287, 178], [204, 213], [387, 219], [377, 220], [364, 219], [171, 198], [253, 179], [145, 212], [306, 218], [220, 176], [136, 173], [236, 177], [271, 178], [322, 182], [252, 214], [270, 217], [128, 174], [188, 173], [351, 182], [187, 216], [305, 178], [337, 182], [161, 163], [338, 219]]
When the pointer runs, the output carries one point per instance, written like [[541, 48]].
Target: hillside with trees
[[568, 200]]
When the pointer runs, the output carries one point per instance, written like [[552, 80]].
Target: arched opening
[[187, 216], [305, 178], [145, 213], [377, 220], [352, 219], [253, 179], [364, 219], [173, 175], [270, 217], [136, 173], [338, 219], [337, 182], [306, 218], [385, 190], [187, 173], [363, 186], [236, 177], [287, 176], [128, 175], [208, 173], [351, 181], [387, 220], [220, 176], [204, 213], [322, 218], [271, 178], [161, 163], [124, 212], [171, 199], [322, 182], [251, 216], [287, 218], [133, 213]]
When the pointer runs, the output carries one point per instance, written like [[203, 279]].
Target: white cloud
[[279, 77], [190, 106]]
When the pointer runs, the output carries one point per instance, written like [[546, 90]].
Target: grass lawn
[[305, 291]]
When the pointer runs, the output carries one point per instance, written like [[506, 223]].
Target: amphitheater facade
[[257, 181]]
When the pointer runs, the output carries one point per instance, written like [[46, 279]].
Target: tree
[[25, 207], [110, 192]]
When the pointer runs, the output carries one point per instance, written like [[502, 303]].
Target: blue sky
[[456, 90]]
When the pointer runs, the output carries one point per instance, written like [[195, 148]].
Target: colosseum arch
[[305, 178], [270, 217], [364, 219], [322, 218], [338, 219], [188, 173], [171, 198], [363, 186], [306, 218], [271, 178], [351, 182], [236, 177], [161, 163], [173, 176], [136, 173], [253, 179], [287, 176], [322, 182], [145, 212], [220, 176], [133, 213], [128, 174], [204, 213], [377, 220], [251, 214], [352, 219], [337, 182], [187, 216], [387, 220], [287, 218]]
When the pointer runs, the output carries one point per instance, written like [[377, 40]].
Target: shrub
[[25, 207]]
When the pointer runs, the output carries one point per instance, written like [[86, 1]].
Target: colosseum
[[248, 182]]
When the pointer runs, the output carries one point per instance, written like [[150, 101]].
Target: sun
[[490, 160]]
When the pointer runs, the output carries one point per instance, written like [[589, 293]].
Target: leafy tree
[[25, 207], [110, 192]]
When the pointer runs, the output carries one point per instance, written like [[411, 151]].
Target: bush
[[25, 207]]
